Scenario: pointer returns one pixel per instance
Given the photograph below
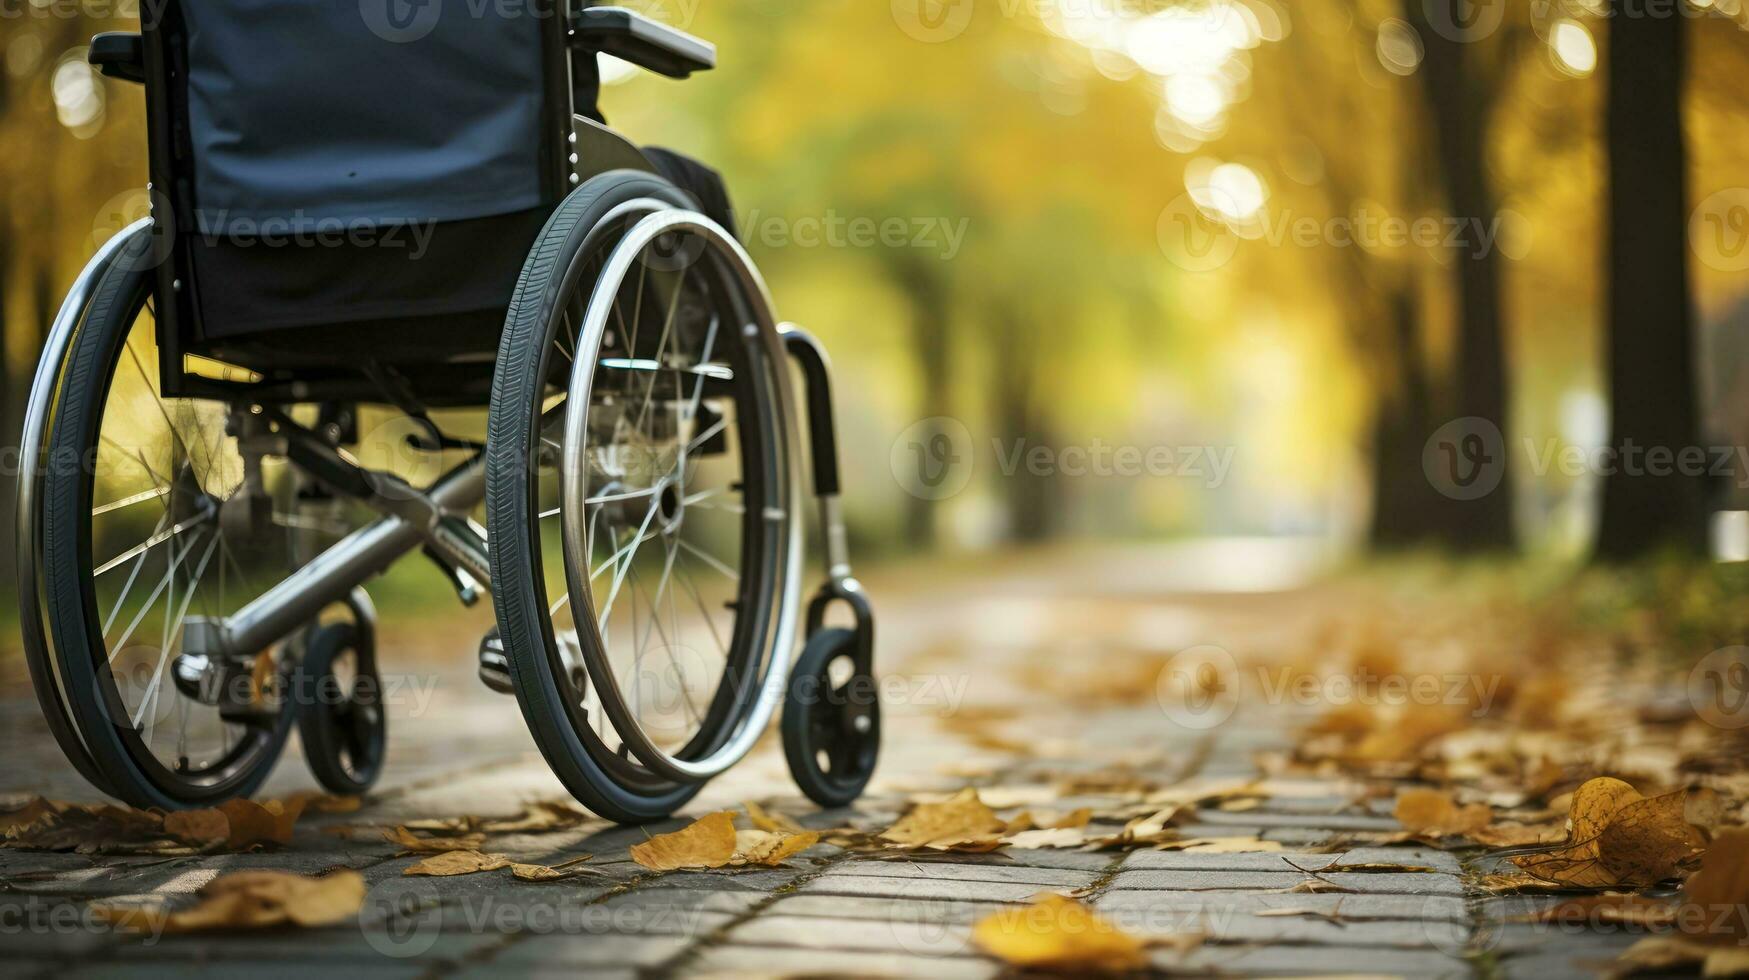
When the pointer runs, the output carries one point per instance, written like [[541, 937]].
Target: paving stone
[[778, 961], [1280, 860], [1172, 906], [262, 969], [1576, 963], [1599, 939], [921, 888], [763, 881], [1039, 857], [727, 903], [1446, 936], [906, 932], [557, 950], [325, 946], [883, 909], [1310, 960], [1382, 883], [1300, 821], [1051, 877]]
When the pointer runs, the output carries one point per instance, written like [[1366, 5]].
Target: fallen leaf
[[962, 823], [1715, 896], [708, 842], [254, 823], [1617, 837], [411, 843], [250, 900], [452, 863], [763, 819], [1513, 834], [1436, 814], [34, 813], [770, 847], [1662, 954], [538, 818], [1222, 845], [198, 826], [1057, 933], [1059, 837]]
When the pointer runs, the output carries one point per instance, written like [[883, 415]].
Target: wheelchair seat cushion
[[300, 113]]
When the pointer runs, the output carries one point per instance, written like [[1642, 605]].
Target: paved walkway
[[1026, 685]]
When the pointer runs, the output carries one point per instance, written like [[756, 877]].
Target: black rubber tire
[[78, 648], [517, 386], [323, 724], [815, 721]]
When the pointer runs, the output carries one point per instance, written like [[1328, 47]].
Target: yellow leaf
[[198, 826], [707, 843], [962, 822], [251, 900], [1436, 814], [28, 817], [413, 844], [1057, 933], [766, 847], [1715, 895], [1617, 837], [254, 823], [763, 819], [453, 863]]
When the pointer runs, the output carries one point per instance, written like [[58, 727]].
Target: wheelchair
[[198, 520]]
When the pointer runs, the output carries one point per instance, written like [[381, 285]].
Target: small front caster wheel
[[340, 711], [831, 720]]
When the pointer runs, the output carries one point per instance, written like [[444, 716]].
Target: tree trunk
[[1647, 504], [1030, 499], [1406, 510], [931, 348], [1459, 102]]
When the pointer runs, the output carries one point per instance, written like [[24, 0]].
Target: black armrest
[[119, 54], [649, 44]]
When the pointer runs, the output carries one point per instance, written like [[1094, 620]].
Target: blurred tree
[[1653, 385], [1463, 73]]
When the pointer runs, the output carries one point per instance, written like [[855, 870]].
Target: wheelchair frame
[[433, 518]]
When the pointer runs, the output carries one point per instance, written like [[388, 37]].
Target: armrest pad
[[646, 43], [119, 54]]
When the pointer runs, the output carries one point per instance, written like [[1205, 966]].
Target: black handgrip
[[649, 44], [822, 431], [119, 54]]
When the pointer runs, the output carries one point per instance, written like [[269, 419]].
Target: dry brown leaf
[[198, 826], [34, 813], [1617, 837], [961, 823], [763, 819], [411, 843], [1662, 954], [1154, 829], [314, 802], [1222, 845], [1058, 837], [251, 900], [452, 863], [1437, 814], [537, 818], [1515, 883], [708, 842], [254, 823], [1512, 834], [1057, 933], [1715, 895], [770, 847]]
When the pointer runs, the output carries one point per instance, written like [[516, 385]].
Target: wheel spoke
[[129, 501], [710, 559]]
